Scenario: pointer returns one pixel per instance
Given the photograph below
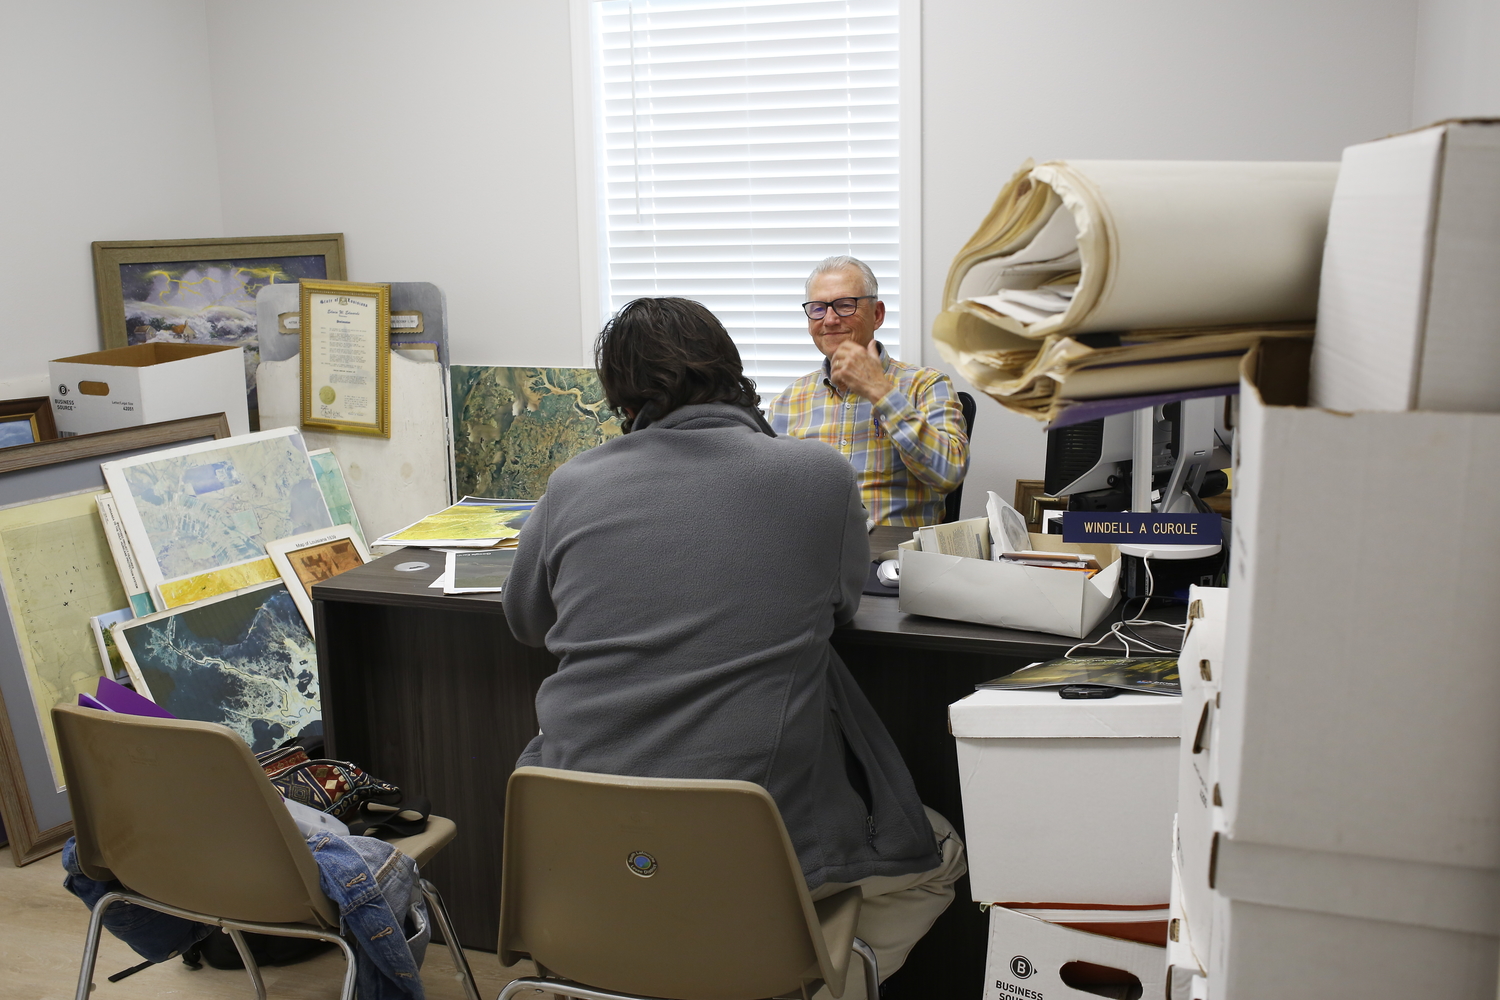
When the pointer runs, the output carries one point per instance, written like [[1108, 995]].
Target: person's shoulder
[[800, 387], [586, 464], [921, 377], [808, 455]]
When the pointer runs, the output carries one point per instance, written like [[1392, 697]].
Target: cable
[[1120, 627]]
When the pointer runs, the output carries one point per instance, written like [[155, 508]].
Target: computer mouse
[[889, 572]]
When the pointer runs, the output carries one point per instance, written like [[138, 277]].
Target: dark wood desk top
[[879, 619]]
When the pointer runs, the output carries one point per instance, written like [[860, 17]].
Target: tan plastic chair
[[664, 888], [182, 814]]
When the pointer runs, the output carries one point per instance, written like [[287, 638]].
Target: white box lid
[[1043, 714]]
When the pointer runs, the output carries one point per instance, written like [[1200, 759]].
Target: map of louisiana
[[57, 573], [245, 661], [205, 509]]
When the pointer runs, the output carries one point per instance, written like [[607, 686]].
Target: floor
[[41, 940]]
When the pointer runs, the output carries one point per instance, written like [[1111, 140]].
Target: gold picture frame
[[346, 356], [113, 259], [26, 421], [1032, 502]]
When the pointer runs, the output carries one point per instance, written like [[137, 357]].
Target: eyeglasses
[[843, 307]]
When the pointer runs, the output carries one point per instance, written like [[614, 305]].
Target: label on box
[[1128, 527]]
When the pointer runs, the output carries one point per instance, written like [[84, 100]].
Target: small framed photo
[[346, 357], [313, 557], [26, 421]]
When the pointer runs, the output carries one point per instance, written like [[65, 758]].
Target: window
[[737, 144]]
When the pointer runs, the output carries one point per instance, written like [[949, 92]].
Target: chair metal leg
[[351, 971], [91, 943], [439, 912], [562, 988], [872, 969], [243, 947]]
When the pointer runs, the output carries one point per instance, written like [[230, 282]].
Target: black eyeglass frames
[[843, 307]]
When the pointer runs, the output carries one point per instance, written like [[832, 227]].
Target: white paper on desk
[[445, 579]]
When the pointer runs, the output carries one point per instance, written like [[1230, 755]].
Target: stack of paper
[[1168, 251], [472, 523]]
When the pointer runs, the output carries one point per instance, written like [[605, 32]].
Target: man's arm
[[854, 560], [527, 595], [928, 431]]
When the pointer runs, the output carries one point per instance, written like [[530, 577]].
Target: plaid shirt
[[908, 449]]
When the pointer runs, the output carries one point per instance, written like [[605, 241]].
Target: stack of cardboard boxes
[[1068, 807], [1349, 844]]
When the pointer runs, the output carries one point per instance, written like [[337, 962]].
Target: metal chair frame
[[236, 928], [579, 991]]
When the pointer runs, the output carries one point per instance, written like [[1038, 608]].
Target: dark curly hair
[[655, 355]]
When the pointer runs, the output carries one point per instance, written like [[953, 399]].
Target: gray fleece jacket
[[687, 576]]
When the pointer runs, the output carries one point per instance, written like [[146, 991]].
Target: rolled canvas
[[1134, 245]]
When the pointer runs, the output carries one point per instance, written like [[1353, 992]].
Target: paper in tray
[[1144, 675]]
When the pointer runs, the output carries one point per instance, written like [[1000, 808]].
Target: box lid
[[1044, 714]]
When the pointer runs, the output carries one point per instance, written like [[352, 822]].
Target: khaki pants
[[899, 909]]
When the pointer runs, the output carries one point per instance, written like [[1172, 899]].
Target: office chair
[[664, 888], [954, 501], [182, 814]]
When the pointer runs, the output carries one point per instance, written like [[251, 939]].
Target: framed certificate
[[346, 356]]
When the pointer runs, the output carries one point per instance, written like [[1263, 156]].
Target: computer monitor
[[1191, 441]]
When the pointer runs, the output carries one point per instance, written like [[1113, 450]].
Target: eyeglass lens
[[843, 307]]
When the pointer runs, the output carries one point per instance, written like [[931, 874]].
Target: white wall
[[1154, 79], [437, 136], [108, 135], [1458, 61]]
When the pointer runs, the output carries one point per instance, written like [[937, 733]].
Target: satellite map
[[212, 508], [246, 661], [513, 426]]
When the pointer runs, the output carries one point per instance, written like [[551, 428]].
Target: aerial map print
[[245, 661], [57, 572], [207, 506], [513, 426]]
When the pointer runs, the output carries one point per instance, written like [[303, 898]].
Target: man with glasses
[[900, 426]]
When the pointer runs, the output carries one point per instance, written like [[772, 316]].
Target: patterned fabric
[[335, 787], [909, 449]]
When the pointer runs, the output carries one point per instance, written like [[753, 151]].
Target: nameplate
[[1179, 529]]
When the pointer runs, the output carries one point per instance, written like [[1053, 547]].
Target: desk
[[432, 692]]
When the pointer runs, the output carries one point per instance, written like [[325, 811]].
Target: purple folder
[[114, 697]]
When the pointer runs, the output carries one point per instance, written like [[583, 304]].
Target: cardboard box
[[1360, 709], [1010, 595], [1409, 309], [1068, 801], [1031, 959], [1201, 667], [1266, 951], [147, 383], [1187, 949]]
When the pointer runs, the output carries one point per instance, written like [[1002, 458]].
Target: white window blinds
[[740, 143]]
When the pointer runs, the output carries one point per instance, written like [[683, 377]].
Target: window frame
[[593, 270]]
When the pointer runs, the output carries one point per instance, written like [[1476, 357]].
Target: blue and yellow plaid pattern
[[909, 449]]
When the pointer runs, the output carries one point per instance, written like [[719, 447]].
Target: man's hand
[[858, 369]]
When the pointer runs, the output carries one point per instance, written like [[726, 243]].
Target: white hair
[[841, 262]]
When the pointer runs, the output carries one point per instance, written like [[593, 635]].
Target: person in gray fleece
[[687, 576]]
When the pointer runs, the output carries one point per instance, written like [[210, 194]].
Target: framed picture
[[34, 809], [1033, 503], [203, 291], [26, 421], [313, 557], [346, 357]]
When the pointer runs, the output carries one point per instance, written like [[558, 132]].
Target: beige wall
[[438, 136], [107, 132], [1458, 61]]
